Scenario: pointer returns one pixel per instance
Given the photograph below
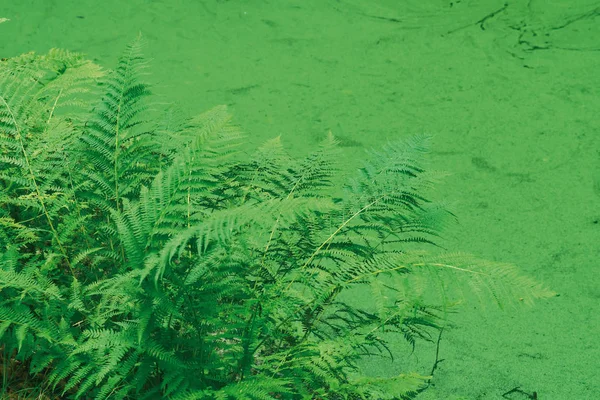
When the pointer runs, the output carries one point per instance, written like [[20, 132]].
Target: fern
[[144, 261]]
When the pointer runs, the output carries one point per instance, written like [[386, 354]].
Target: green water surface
[[510, 91]]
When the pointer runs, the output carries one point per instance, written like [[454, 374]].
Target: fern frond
[[266, 388], [403, 386], [469, 275], [120, 155]]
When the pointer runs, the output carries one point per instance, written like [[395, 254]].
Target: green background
[[510, 92]]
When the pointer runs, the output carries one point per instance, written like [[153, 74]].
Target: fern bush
[[145, 261]]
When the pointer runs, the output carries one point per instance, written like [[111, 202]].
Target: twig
[[532, 396], [481, 21], [437, 353]]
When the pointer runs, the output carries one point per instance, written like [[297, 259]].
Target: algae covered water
[[509, 92]]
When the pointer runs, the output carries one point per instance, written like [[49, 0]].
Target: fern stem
[[54, 107], [116, 166], [451, 267], [346, 222]]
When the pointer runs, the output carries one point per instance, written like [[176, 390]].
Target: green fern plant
[[139, 262]]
